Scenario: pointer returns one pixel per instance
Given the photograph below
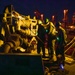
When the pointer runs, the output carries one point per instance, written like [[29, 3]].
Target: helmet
[[46, 21], [58, 24], [39, 22]]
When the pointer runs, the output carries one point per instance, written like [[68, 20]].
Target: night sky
[[46, 7]]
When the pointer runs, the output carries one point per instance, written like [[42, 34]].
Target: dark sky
[[47, 7]]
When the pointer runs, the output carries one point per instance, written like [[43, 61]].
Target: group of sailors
[[54, 37]]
